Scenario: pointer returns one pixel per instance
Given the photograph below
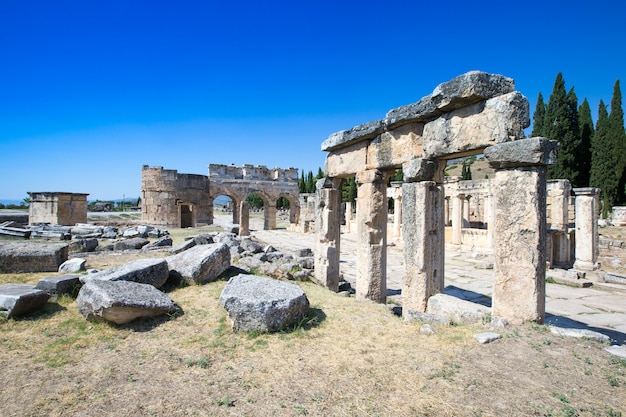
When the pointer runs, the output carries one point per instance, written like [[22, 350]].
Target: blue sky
[[92, 90]]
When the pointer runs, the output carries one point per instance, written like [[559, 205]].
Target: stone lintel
[[586, 191], [419, 169], [523, 152], [359, 133], [464, 90], [370, 176]]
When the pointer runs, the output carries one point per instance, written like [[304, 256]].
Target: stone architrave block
[[262, 304], [464, 90], [524, 152], [145, 271], [121, 302], [32, 257], [200, 264], [359, 133], [419, 169], [132, 243], [458, 310], [60, 284], [497, 120], [20, 299], [73, 265]]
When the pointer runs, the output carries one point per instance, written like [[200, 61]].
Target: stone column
[[244, 218], [587, 210], [466, 211], [457, 218], [371, 216], [489, 218], [423, 231], [327, 232], [236, 203], [348, 215], [446, 211], [520, 227], [270, 217], [397, 209]]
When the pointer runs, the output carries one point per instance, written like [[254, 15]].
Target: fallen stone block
[[122, 302], [133, 243], [487, 337], [579, 333], [458, 310], [619, 351], [60, 284], [73, 265], [181, 247], [32, 256], [200, 264], [145, 271], [160, 243], [262, 304], [426, 318], [20, 299], [83, 245]]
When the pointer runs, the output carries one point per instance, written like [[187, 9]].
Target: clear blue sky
[[92, 90]]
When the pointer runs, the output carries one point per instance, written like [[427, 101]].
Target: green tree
[[561, 123], [538, 117], [282, 203], [618, 136], [466, 172], [587, 131], [348, 190], [320, 174], [310, 182], [302, 183], [603, 161], [254, 200]]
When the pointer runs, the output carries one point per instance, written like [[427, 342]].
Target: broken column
[[270, 217], [371, 278], [397, 209], [587, 209], [423, 231], [244, 218], [457, 218], [327, 232], [520, 227]]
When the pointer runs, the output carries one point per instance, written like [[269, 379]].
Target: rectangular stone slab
[[20, 299]]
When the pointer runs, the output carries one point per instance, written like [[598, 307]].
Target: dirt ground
[[346, 358]]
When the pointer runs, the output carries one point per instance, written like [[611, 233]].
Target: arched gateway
[[472, 114], [185, 200]]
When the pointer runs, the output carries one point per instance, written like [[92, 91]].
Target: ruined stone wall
[[57, 208]]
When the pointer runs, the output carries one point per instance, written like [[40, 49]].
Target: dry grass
[[347, 358]]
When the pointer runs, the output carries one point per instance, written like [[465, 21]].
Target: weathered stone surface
[[498, 120], [327, 233], [20, 299], [145, 271], [257, 303], [579, 333], [616, 350], [519, 243], [458, 310], [132, 243], [183, 246], [121, 302], [587, 213], [251, 246], [419, 169], [487, 337], [163, 242], [427, 330], [464, 90], [412, 315], [83, 245], [391, 148], [60, 284], [525, 152], [200, 264], [346, 161], [345, 138], [73, 265], [203, 239], [32, 256]]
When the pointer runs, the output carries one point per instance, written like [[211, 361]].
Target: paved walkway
[[601, 307]]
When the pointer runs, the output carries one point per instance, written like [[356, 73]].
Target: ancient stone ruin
[[475, 113], [57, 208], [187, 200]]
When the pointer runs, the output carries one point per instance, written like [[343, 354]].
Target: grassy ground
[[347, 358]]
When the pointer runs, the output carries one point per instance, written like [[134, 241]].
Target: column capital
[[419, 169], [370, 176], [586, 191]]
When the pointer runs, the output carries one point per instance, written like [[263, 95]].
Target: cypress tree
[[320, 174], [603, 161], [539, 117], [618, 136], [586, 130], [561, 123], [310, 183], [302, 183]]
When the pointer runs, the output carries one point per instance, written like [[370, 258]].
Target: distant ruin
[[57, 208], [475, 113], [187, 200]]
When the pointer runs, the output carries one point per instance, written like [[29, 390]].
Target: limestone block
[[359, 133], [487, 337], [346, 161], [73, 265], [419, 169], [122, 302], [20, 299], [200, 264], [497, 120], [32, 257], [262, 304], [525, 152], [144, 271], [460, 311], [390, 149], [60, 284], [132, 243], [163, 242], [327, 233], [520, 233], [464, 90]]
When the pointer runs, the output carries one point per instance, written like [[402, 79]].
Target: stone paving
[[601, 307]]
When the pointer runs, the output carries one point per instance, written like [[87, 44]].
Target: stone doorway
[[186, 215]]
